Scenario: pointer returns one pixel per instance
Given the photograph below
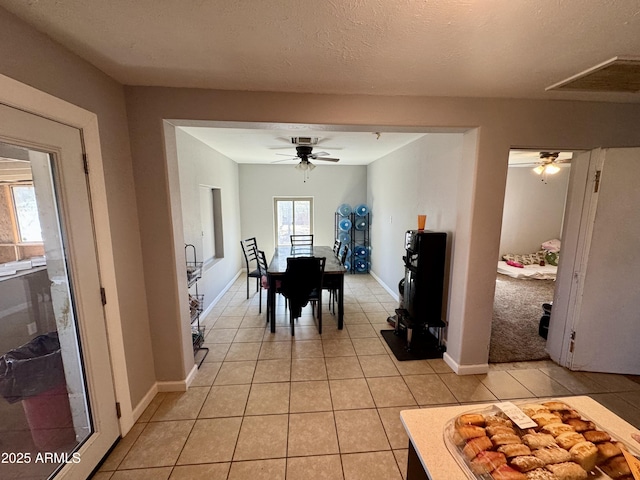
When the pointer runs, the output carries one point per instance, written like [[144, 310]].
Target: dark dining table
[[333, 275]]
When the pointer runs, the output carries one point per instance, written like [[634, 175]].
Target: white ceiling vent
[[309, 141], [619, 74]]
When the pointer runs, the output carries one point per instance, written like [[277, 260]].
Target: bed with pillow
[[541, 265]]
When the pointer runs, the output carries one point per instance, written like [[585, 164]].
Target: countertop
[[425, 428]]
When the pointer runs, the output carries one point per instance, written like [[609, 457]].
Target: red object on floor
[[49, 418], [515, 264]]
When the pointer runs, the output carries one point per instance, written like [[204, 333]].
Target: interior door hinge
[[85, 163], [103, 296], [596, 186], [118, 411]]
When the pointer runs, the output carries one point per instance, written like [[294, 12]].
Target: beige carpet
[[517, 310]]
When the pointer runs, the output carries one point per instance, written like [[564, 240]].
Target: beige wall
[[502, 124], [199, 165], [259, 184], [32, 58], [533, 209]]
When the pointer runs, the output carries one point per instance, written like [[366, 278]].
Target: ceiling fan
[[548, 163], [305, 153]]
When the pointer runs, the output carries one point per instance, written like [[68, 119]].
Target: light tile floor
[[269, 406]]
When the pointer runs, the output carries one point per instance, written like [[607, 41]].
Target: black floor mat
[[423, 345]]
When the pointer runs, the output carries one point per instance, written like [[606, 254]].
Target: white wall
[[419, 178], [533, 209], [329, 185], [199, 165]]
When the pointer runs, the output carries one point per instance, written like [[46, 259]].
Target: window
[[28, 223], [211, 222], [293, 216]]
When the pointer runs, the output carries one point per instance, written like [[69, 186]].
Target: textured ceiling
[[498, 48]]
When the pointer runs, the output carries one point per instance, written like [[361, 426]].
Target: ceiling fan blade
[[327, 159], [290, 159], [287, 154], [319, 154]]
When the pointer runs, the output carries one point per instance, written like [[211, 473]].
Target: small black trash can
[[34, 374]]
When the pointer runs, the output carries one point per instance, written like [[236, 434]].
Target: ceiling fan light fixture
[[539, 169], [551, 169]]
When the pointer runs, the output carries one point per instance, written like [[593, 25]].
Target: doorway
[[55, 413], [533, 213]]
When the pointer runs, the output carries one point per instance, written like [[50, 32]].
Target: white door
[[606, 327], [50, 296]]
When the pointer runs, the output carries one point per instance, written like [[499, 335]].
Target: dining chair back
[[331, 284], [301, 284], [250, 251], [336, 247], [301, 240]]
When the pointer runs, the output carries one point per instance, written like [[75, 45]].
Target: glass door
[[57, 403], [293, 216]]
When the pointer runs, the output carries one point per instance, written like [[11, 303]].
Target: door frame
[[31, 100]]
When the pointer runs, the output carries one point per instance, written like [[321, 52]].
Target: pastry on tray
[[616, 467], [514, 450], [487, 461], [585, 455], [524, 463], [596, 436], [568, 471], [505, 472], [568, 439], [553, 454], [475, 446], [540, 474], [606, 450], [538, 440]]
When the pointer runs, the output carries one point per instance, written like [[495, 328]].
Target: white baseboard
[[476, 369], [207, 310], [173, 386], [142, 406], [191, 376], [5, 312], [390, 291]]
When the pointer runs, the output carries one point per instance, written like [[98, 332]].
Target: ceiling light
[[551, 169], [539, 169]]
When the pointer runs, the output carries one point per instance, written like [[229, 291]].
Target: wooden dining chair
[[301, 240], [302, 284], [336, 247], [250, 250], [330, 283]]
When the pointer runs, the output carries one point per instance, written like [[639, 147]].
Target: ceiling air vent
[[304, 140], [619, 74]]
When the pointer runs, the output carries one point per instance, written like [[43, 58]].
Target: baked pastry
[[567, 414], [540, 474], [554, 454], [475, 446], [532, 408], [616, 467], [505, 472], [585, 455], [568, 439], [596, 436], [470, 419], [568, 471], [580, 425], [556, 429], [467, 432], [544, 418], [497, 420], [514, 449], [505, 439], [554, 405], [524, 463], [538, 440], [486, 462], [606, 450], [497, 429]]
